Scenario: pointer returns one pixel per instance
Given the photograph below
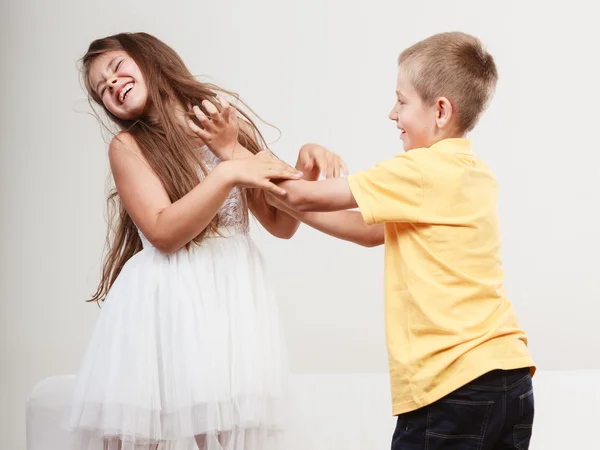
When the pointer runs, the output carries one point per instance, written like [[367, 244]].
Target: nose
[[112, 82], [393, 115]]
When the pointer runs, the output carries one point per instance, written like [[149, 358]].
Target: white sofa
[[352, 411]]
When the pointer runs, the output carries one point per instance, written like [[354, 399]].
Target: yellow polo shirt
[[447, 318]]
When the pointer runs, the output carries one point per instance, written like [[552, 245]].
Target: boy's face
[[417, 122]]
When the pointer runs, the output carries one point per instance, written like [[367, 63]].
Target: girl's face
[[117, 80]]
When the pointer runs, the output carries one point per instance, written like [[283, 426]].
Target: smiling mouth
[[123, 95]]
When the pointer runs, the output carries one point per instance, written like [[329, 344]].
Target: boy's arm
[[347, 225], [393, 191], [322, 204], [318, 196], [280, 222]]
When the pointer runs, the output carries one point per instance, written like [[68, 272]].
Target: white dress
[[186, 345]]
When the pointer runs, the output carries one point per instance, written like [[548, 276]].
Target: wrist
[[239, 151], [227, 173], [229, 152]]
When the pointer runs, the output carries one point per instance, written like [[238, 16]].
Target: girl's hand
[[220, 128], [315, 160], [258, 170]]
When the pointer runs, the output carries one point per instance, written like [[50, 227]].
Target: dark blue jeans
[[493, 412]]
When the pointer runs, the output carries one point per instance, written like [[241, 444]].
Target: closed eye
[[104, 88]]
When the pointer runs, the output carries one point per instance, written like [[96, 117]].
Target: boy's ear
[[444, 112]]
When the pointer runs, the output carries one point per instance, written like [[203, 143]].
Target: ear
[[444, 112]]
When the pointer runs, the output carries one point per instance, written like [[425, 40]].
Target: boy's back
[[447, 319]]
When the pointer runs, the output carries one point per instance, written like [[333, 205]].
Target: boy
[[460, 370]]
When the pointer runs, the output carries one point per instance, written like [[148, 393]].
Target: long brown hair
[[164, 143]]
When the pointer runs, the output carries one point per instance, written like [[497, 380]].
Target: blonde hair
[[454, 65]]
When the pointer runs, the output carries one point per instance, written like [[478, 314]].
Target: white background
[[321, 71]]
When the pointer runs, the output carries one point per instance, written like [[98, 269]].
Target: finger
[[225, 108], [283, 171], [198, 131], [336, 166], [205, 121], [345, 168], [302, 160], [288, 174], [225, 105], [309, 166], [330, 165], [273, 188], [281, 167], [321, 163], [212, 111], [232, 113], [291, 172], [289, 168]]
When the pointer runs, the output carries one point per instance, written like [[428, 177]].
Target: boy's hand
[[315, 160], [220, 129]]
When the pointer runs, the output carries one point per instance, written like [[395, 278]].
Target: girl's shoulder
[[122, 142], [124, 151]]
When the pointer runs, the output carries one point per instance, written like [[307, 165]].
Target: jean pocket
[[526, 407], [522, 431], [457, 424]]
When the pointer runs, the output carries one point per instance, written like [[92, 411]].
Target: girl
[[187, 350]]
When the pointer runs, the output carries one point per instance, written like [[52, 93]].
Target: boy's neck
[[444, 134], [452, 143], [436, 140]]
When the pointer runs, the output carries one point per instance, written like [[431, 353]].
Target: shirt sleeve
[[392, 191]]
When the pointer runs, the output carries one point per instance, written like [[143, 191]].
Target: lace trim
[[234, 212]]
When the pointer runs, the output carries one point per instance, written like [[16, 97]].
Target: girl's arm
[[220, 134], [274, 220], [170, 226]]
